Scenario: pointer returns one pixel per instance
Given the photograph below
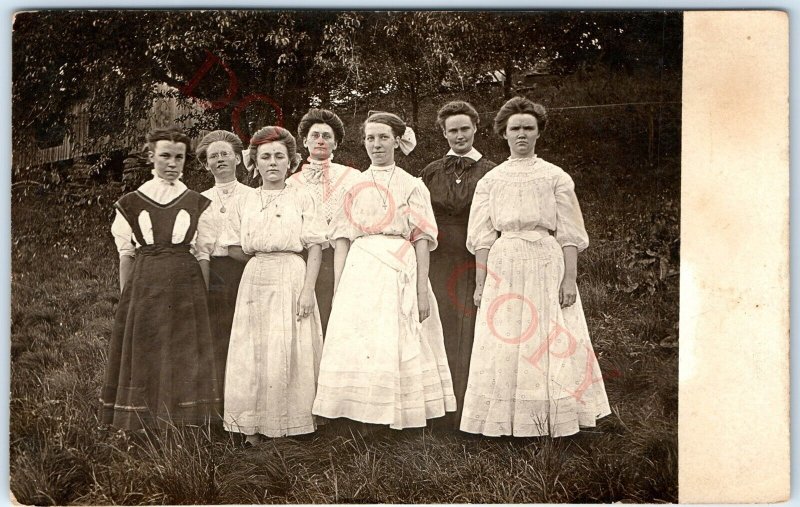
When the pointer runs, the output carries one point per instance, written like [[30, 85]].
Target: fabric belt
[[277, 254], [532, 236], [148, 250]]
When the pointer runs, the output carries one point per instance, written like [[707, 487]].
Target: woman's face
[[460, 133], [168, 159], [320, 141], [272, 162], [522, 131], [222, 160], [380, 143]]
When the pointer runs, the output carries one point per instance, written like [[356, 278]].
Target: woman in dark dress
[[161, 367], [220, 152], [451, 181]]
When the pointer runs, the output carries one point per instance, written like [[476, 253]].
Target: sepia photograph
[[327, 256]]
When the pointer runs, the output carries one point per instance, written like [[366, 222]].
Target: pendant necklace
[[459, 176], [384, 200], [222, 208], [270, 201]]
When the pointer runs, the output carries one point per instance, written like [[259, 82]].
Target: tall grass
[[64, 293]]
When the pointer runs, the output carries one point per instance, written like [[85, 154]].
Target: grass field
[[65, 290]]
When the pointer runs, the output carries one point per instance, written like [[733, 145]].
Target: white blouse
[[389, 201], [524, 194], [223, 217], [280, 221], [162, 192], [327, 183]]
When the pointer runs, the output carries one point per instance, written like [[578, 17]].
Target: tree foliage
[[242, 69]]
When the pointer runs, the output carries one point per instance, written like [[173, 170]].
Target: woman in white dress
[[321, 132], [533, 370], [384, 360], [276, 339]]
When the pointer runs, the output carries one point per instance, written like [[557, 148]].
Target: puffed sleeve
[[481, 233], [421, 220], [570, 230], [204, 239], [123, 236], [312, 231], [341, 225]]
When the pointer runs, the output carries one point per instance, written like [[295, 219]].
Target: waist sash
[[148, 250], [390, 251], [533, 236]]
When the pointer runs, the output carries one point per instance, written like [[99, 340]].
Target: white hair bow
[[408, 141], [246, 160]]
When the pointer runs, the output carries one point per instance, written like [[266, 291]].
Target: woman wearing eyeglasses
[[322, 132], [220, 152]]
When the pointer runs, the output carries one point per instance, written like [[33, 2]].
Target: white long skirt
[[273, 359], [533, 370], [379, 364]]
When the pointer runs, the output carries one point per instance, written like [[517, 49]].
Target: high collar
[[226, 186], [472, 154], [318, 164], [315, 170], [386, 168], [532, 159], [161, 181], [161, 190]]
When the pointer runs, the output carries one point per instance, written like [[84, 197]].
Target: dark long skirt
[[324, 288], [452, 276], [224, 276], [161, 367]]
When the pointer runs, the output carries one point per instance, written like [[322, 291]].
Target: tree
[[243, 69], [375, 53], [113, 62]]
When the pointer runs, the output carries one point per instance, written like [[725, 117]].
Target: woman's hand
[[477, 295], [423, 304], [481, 270], [568, 293], [305, 304], [125, 271]]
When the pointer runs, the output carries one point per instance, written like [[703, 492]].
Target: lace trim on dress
[[518, 170]]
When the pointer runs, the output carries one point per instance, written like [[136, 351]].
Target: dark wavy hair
[[329, 118], [397, 125], [457, 107], [173, 134], [519, 105], [274, 134]]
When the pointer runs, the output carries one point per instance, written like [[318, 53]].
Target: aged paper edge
[[734, 316]]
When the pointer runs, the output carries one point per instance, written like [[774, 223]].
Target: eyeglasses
[[220, 154], [317, 135]]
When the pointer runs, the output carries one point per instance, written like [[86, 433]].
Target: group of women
[[226, 295]]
